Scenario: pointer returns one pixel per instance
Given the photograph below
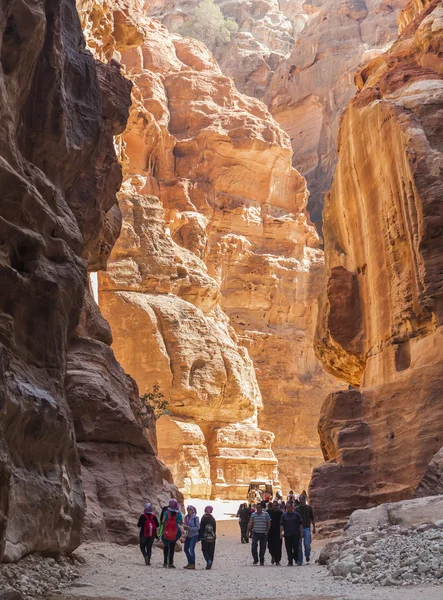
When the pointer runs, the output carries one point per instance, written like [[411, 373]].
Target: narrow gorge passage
[[221, 239]]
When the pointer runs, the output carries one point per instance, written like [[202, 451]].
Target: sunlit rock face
[[265, 37], [380, 323], [310, 89], [216, 271]]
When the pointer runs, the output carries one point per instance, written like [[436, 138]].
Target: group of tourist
[[267, 524], [172, 528], [290, 521]]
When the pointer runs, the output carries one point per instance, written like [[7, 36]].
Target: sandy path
[[118, 573]]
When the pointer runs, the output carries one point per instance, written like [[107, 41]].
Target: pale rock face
[[380, 325], [407, 514], [265, 36], [183, 443], [432, 481], [312, 86], [214, 219]]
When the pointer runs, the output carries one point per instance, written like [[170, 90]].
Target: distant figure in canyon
[[148, 524], [291, 529], [171, 532], [259, 524], [243, 515], [191, 527], [207, 535], [274, 538], [307, 516]]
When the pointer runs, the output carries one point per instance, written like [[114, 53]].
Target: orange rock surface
[[380, 324], [310, 89], [217, 263]]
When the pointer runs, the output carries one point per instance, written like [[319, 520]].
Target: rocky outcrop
[[394, 544], [380, 325], [431, 484], [59, 177], [49, 85], [157, 281], [214, 226], [265, 36], [310, 89]]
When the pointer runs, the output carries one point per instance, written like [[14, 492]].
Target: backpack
[[209, 534], [149, 528], [171, 530]]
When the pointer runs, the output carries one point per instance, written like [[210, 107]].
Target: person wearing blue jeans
[[307, 515], [191, 526]]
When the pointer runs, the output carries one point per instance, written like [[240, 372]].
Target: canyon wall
[[59, 177], [380, 325], [300, 58], [217, 264], [265, 35], [310, 89]]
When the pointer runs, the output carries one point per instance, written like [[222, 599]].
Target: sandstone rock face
[[432, 481], [380, 325], [265, 36], [183, 443], [45, 143], [216, 257], [312, 86], [59, 177]]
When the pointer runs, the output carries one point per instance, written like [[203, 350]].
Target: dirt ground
[[118, 573]]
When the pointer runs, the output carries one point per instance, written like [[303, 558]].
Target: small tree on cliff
[[208, 25], [154, 403]]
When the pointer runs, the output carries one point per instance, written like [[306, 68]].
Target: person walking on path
[[291, 528], [207, 535], [171, 532], [191, 526], [259, 524], [244, 514], [148, 524], [274, 539], [307, 515]]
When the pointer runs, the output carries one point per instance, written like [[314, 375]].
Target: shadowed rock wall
[[59, 176], [381, 328]]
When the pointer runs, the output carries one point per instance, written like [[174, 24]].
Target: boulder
[[407, 514]]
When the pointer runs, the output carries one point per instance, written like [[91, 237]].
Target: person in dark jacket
[[206, 534], [243, 515], [274, 538], [291, 527], [148, 524]]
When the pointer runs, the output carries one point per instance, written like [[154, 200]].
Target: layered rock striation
[[59, 176], [380, 327], [217, 263], [310, 89]]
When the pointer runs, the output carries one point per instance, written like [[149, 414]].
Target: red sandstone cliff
[[59, 219], [380, 327], [214, 227], [310, 89]]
